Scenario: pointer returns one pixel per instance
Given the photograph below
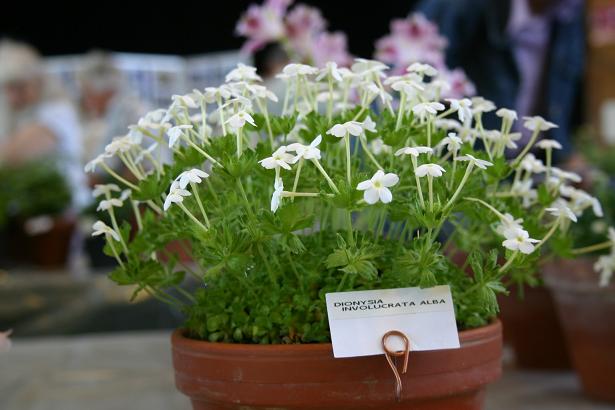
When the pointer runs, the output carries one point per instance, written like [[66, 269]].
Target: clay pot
[[221, 376], [533, 330], [587, 311]]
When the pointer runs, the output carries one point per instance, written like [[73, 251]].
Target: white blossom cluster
[[414, 98]]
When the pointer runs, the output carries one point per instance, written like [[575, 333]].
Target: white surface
[[358, 320]]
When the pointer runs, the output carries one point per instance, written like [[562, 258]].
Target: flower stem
[[508, 263], [461, 185], [369, 153], [203, 153], [135, 209], [119, 178], [196, 221], [324, 174], [527, 148], [592, 248], [198, 201], [115, 254], [349, 225], [400, 112], [117, 229], [348, 173], [550, 233], [296, 182], [492, 209], [430, 185], [418, 183]]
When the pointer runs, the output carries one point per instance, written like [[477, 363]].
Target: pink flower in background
[[331, 47], [5, 342], [304, 21], [461, 86], [301, 31], [414, 39], [263, 24]]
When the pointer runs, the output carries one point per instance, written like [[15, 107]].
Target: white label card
[[358, 320]]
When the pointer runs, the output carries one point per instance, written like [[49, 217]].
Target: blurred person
[[106, 107], [526, 55], [38, 122]]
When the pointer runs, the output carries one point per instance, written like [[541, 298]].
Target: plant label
[[358, 320]]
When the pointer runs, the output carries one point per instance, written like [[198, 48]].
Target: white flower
[[605, 266], [581, 200], [278, 188], [176, 196], [538, 123], [193, 175], [422, 110], [185, 100], [365, 67], [119, 144], [306, 151], [525, 191], [507, 223], [452, 142], [176, 132], [505, 113], [414, 151], [100, 228], [480, 163], [377, 188], [91, 166], [532, 164], [294, 70], [481, 105], [463, 108], [348, 128], [421, 68], [519, 240], [148, 151], [331, 70], [5, 342], [433, 170], [239, 120], [107, 204], [125, 194], [106, 189], [212, 94], [242, 73], [280, 158], [560, 208], [377, 146], [566, 175], [549, 144], [368, 124]]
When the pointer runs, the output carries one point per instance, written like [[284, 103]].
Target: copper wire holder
[[392, 355]]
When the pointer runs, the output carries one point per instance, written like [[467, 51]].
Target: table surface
[[133, 371]]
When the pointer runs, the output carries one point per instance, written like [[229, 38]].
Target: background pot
[[587, 311], [219, 376], [532, 328]]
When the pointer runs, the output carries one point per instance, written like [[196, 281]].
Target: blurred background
[[74, 76]]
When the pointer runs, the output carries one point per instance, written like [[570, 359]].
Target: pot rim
[[179, 340]]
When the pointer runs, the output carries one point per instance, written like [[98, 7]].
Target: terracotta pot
[[587, 311], [221, 376], [533, 330]]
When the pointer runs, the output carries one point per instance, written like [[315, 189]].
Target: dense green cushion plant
[[348, 189]]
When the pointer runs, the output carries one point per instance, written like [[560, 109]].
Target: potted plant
[[584, 299], [33, 201], [330, 196]]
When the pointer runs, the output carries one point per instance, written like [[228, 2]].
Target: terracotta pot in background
[[533, 330], [587, 312], [531, 326], [222, 376]]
